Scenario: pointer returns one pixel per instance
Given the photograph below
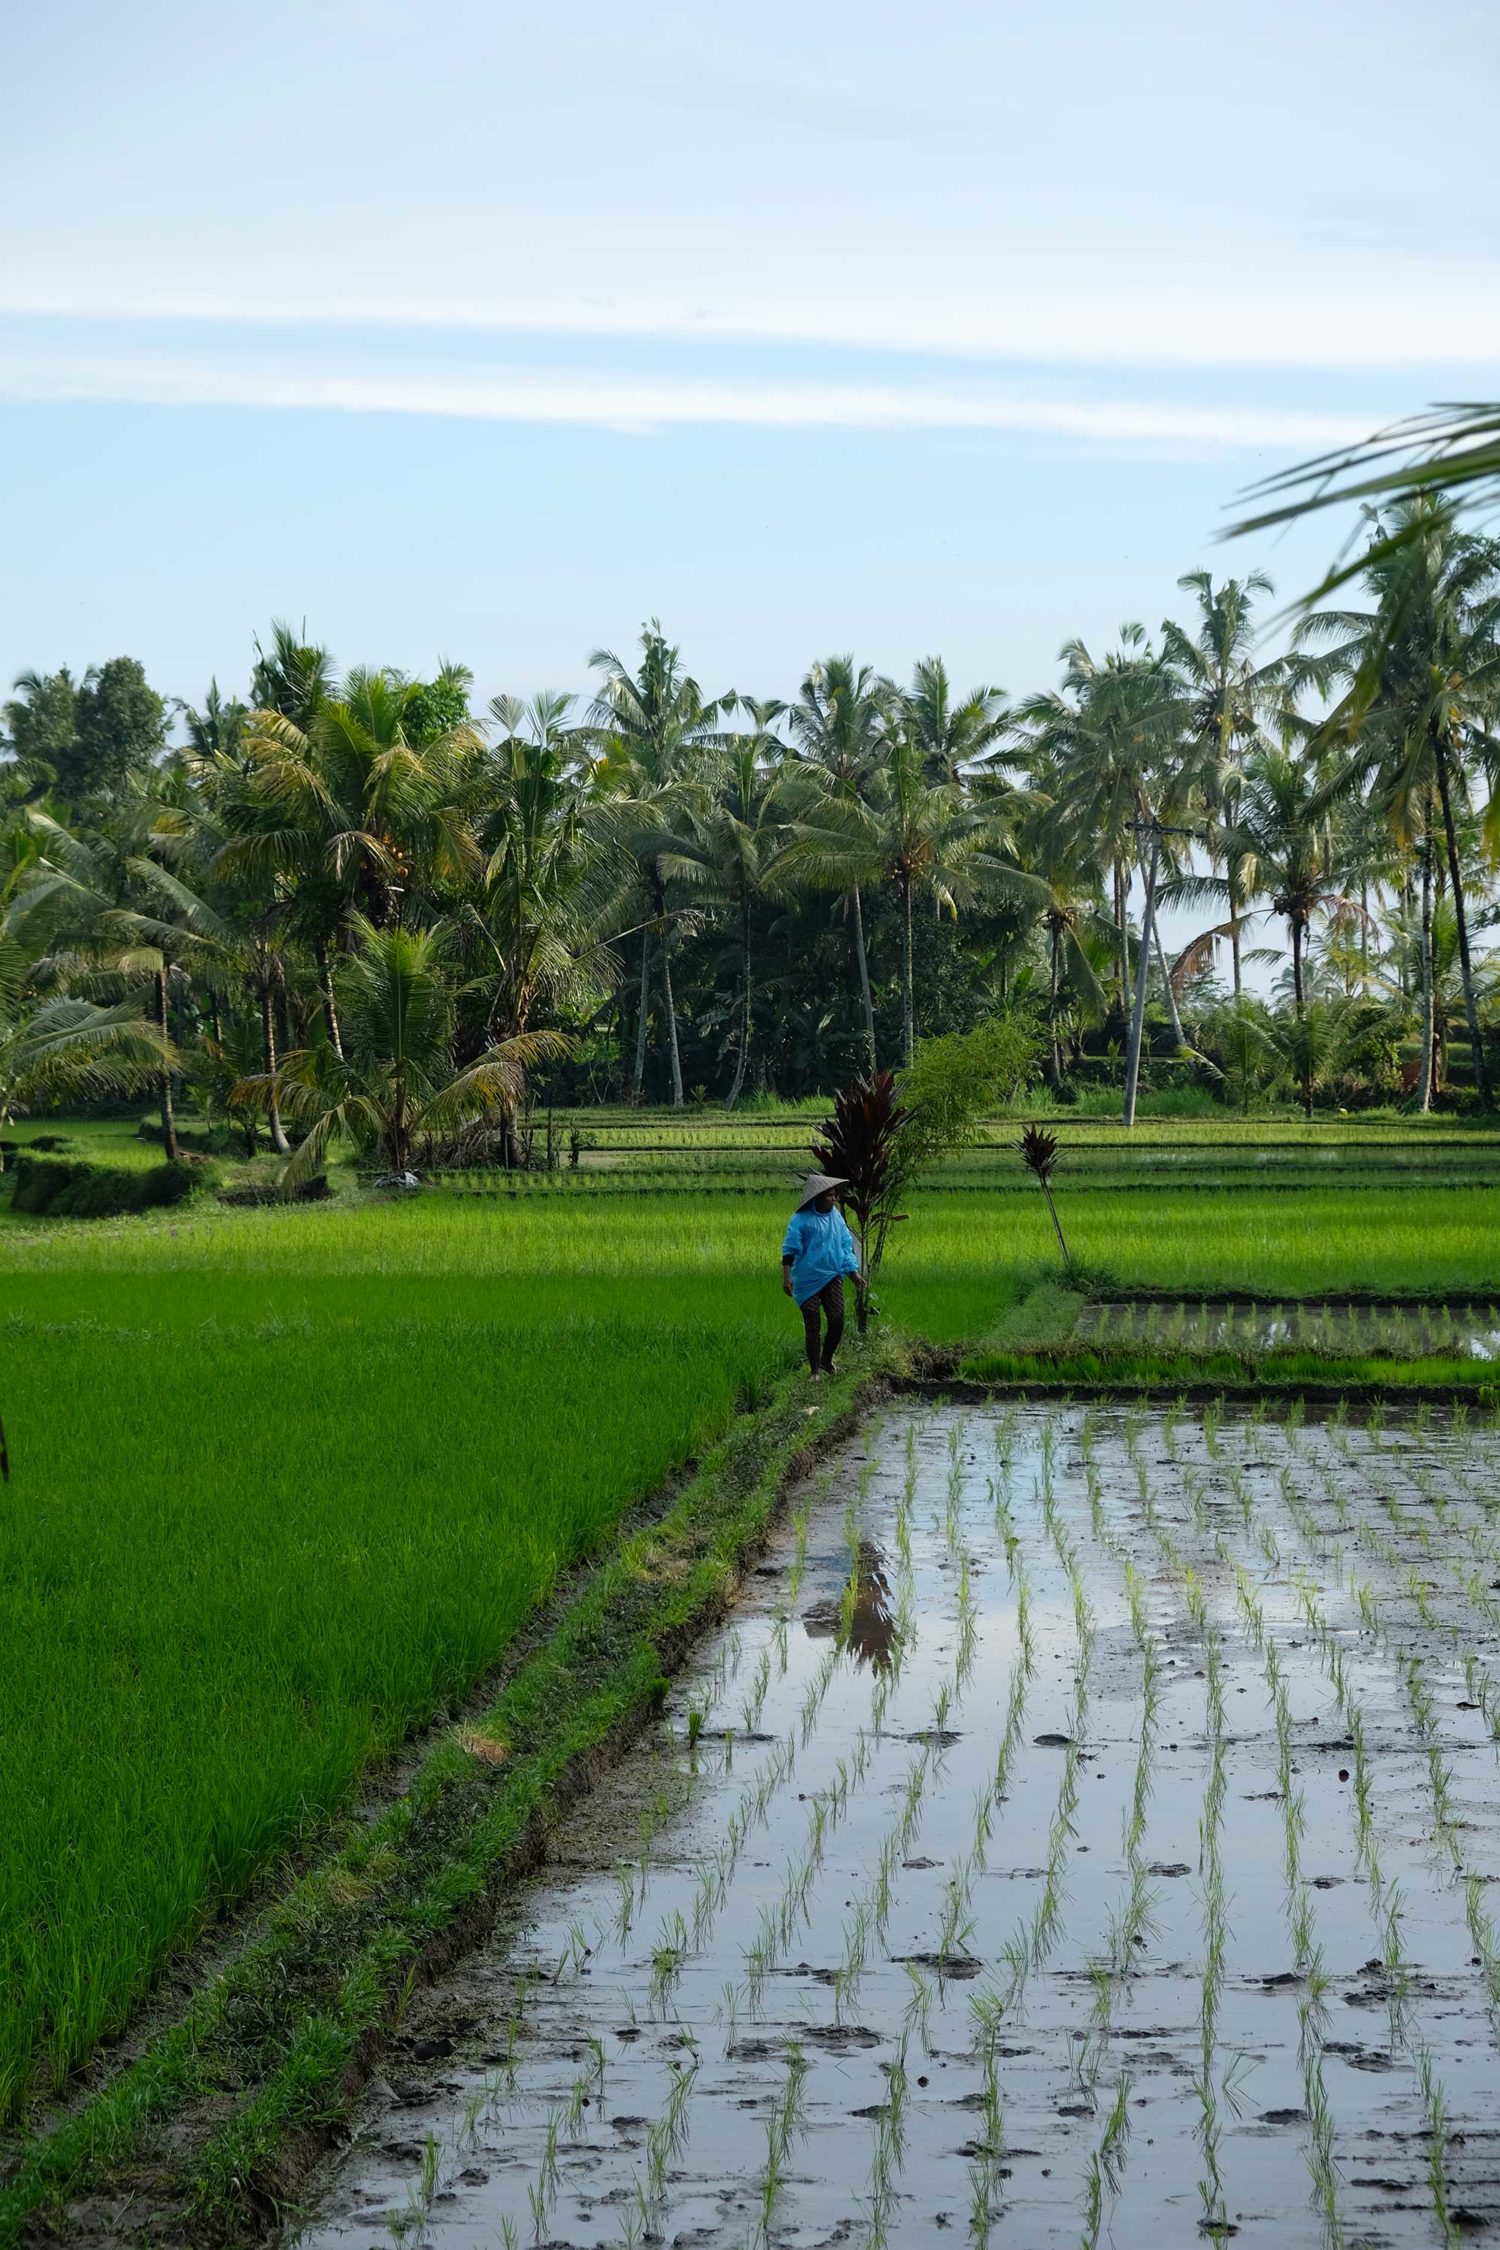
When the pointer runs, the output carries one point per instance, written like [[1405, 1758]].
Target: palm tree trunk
[[279, 1141], [1166, 979], [1054, 980], [330, 1011], [676, 1059], [908, 1013], [1364, 939], [1234, 927], [1461, 921], [168, 1120], [1138, 1013], [743, 1059], [864, 980], [640, 1028], [1122, 899], [1429, 1013]]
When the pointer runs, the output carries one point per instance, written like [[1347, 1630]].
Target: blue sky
[[479, 331]]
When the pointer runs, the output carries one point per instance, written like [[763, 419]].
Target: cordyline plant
[[1037, 1149], [862, 1144]]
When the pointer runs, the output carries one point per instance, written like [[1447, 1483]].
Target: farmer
[[817, 1253]]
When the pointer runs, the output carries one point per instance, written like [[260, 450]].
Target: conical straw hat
[[816, 1184]]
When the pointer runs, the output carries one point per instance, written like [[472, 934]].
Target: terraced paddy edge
[[1086, 1829], [1320, 1347], [203, 2134]]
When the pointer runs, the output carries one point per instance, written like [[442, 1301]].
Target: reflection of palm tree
[[654, 725]]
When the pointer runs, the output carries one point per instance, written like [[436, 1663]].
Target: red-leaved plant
[[861, 1144]]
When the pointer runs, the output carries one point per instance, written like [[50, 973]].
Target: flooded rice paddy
[[1086, 1830], [1394, 1331]]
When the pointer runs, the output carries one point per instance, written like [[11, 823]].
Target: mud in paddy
[[1087, 1830]]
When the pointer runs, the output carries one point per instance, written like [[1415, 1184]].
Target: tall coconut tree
[[656, 730], [1235, 705], [1284, 840], [738, 848], [1111, 738], [839, 724], [1420, 670], [926, 840], [554, 883], [955, 732]]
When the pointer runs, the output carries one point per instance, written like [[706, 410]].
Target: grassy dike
[[1034, 1345], [208, 2133]]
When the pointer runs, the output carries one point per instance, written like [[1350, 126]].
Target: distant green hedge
[[48, 1188]]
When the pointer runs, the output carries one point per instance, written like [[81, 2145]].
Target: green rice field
[[285, 1483]]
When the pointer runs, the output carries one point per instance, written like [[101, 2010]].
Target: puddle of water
[[1087, 1827]]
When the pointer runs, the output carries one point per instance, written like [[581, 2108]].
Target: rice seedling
[[1435, 2110], [782, 2131], [890, 2151], [1105, 2164]]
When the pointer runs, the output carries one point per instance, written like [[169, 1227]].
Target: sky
[[487, 332]]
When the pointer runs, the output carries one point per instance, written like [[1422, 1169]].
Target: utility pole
[[1155, 830]]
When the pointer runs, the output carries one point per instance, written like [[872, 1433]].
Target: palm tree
[[349, 807], [64, 1048], [1078, 932], [395, 1083], [1422, 669], [838, 724], [362, 799], [293, 677], [926, 839], [1448, 454], [739, 847], [1232, 702], [954, 736], [656, 730], [1283, 840], [554, 879], [1111, 740], [120, 912]]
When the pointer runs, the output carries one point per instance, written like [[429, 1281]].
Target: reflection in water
[[871, 1637]]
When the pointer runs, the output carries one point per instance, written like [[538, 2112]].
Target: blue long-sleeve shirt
[[820, 1247]]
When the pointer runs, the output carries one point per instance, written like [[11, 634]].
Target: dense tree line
[[356, 904]]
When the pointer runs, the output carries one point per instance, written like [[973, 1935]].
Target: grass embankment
[[273, 2049]]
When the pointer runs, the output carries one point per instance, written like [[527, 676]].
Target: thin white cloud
[[644, 403], [968, 299]]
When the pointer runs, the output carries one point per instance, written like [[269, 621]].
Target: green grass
[[267, 1514], [286, 1483]]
